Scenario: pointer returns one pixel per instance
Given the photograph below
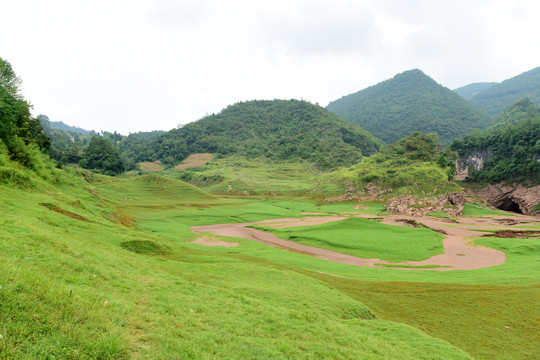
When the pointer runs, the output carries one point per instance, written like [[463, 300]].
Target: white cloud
[[152, 64]]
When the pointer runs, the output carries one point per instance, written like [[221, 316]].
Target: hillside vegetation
[[21, 136], [409, 102], [414, 165], [522, 110], [278, 129], [497, 97], [514, 142]]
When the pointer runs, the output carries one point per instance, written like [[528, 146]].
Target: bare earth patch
[[459, 251], [513, 234], [293, 222], [194, 160], [212, 241], [59, 210], [151, 166]]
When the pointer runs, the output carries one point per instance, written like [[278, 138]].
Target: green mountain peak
[[410, 101]]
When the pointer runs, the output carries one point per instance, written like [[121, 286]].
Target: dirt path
[[458, 254]]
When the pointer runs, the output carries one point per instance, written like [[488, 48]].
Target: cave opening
[[508, 204]]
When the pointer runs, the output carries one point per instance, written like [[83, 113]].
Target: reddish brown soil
[[512, 234], [194, 160], [150, 166]]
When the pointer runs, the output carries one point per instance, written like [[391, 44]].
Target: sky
[[141, 65]]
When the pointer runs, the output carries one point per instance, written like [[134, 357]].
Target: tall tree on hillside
[[102, 156], [17, 126]]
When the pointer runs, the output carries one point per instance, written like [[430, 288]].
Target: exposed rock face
[[517, 198], [475, 160], [451, 203]]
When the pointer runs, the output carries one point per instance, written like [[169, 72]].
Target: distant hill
[[59, 125], [497, 97], [468, 91], [277, 129], [409, 102], [521, 110]]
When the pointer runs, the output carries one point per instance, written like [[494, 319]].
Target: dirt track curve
[[458, 254]]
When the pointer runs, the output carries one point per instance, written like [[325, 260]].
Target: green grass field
[[103, 268], [367, 238]]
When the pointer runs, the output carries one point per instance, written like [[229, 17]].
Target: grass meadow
[[355, 236], [104, 268]]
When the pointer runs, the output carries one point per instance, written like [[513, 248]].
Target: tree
[[18, 130], [102, 156], [9, 81]]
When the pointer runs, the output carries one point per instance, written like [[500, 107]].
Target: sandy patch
[[293, 222], [211, 241]]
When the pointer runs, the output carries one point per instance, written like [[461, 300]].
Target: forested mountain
[[521, 110], [512, 152], [59, 125], [409, 102], [497, 97], [468, 91], [278, 129]]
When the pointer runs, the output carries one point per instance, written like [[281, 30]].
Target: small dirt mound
[[59, 210], [144, 247], [514, 234]]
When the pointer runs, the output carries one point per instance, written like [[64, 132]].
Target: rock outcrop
[[517, 197], [475, 160], [451, 203]]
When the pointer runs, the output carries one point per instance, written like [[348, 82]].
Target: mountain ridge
[[410, 101], [277, 129], [497, 97], [470, 90]]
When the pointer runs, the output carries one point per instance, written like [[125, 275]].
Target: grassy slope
[[419, 301], [174, 300], [261, 176], [470, 309]]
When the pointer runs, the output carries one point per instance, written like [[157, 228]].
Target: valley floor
[[108, 268], [459, 253]]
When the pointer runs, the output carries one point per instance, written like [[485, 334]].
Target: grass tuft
[[144, 247]]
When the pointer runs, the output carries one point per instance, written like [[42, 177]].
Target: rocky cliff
[[475, 160]]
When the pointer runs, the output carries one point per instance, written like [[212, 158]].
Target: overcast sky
[[140, 65]]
